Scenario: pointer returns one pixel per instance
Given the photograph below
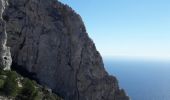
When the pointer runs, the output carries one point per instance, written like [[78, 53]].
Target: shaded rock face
[[5, 55], [49, 39]]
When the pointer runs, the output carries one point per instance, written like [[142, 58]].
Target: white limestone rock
[[5, 55]]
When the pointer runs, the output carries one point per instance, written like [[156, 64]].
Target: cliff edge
[[49, 40]]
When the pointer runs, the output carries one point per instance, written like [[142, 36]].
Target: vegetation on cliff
[[14, 86]]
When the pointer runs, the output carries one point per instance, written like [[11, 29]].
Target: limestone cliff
[[49, 39], [5, 55]]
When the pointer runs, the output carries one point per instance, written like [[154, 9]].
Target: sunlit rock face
[[5, 55], [49, 39]]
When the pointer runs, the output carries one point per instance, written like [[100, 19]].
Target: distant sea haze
[[141, 79]]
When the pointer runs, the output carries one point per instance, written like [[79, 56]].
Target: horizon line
[[153, 58]]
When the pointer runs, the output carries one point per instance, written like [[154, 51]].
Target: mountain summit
[[49, 40]]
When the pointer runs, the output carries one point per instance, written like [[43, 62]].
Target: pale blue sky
[[127, 28]]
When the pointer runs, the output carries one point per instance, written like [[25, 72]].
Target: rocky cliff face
[[49, 39]]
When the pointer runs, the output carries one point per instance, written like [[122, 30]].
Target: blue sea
[[141, 79]]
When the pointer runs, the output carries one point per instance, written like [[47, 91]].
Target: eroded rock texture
[[49, 39], [5, 55]]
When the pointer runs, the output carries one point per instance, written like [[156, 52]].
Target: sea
[[141, 79]]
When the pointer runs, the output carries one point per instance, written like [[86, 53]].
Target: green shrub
[[28, 91], [11, 86], [1, 83], [4, 72], [28, 87]]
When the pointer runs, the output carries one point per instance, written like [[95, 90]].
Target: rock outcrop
[[5, 55], [49, 39]]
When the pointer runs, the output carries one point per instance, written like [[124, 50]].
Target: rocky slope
[[49, 40]]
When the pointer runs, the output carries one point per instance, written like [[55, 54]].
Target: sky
[[127, 28]]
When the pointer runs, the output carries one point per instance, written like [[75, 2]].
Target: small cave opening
[[24, 72], [5, 58]]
